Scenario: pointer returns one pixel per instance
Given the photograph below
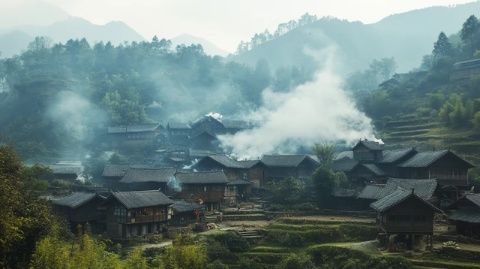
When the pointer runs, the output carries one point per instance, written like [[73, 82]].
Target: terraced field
[[428, 133]]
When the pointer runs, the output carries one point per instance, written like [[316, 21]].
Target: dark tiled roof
[[424, 188], [66, 169], [344, 165], [285, 160], [115, 170], [135, 175], [374, 169], [178, 125], [372, 145], [397, 197], [183, 206], [138, 199], [391, 156], [75, 199], [249, 163], [371, 192], [342, 192], [344, 154], [200, 153], [239, 182], [469, 215], [425, 159], [215, 177], [133, 128], [474, 198], [224, 161]]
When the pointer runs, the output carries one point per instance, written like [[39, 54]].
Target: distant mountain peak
[[209, 47]]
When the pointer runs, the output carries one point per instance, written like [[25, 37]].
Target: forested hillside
[[406, 37], [433, 107], [61, 97]]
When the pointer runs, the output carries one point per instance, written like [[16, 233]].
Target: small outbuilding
[[465, 214], [406, 215]]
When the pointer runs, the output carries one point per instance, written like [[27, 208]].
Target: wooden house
[[465, 214], [178, 134], [207, 188], [255, 170], [205, 140], [140, 179], [207, 124], [82, 209], [113, 173], [186, 213], [367, 151], [407, 215], [233, 169], [360, 174], [67, 170], [137, 213], [134, 135], [391, 159], [285, 166], [448, 168]]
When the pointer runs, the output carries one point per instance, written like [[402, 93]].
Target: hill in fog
[[208, 47], [17, 39], [406, 37]]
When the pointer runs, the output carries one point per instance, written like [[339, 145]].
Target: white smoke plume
[[317, 111], [75, 114]]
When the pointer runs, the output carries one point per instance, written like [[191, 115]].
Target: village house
[[368, 163], [186, 213], [137, 213], [67, 170], [405, 218], [448, 168], [285, 166], [205, 140], [465, 214], [424, 188], [178, 135], [140, 179], [134, 135], [206, 188], [113, 173], [82, 210]]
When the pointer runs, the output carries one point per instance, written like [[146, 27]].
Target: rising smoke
[[317, 111]]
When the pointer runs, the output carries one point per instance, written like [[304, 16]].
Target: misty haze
[[183, 134]]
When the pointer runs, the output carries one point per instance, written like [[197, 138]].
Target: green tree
[[469, 33], [25, 218], [325, 154], [443, 47]]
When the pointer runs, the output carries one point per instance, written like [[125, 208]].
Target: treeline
[[428, 90], [283, 28], [56, 96]]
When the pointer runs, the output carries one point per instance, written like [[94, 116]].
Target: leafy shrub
[[295, 261], [231, 241]]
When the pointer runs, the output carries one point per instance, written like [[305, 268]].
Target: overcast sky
[[226, 22]]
